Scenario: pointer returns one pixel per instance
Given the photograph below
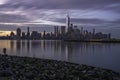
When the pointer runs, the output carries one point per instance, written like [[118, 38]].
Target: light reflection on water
[[106, 55]]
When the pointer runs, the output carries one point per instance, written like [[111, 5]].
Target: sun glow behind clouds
[[5, 33]]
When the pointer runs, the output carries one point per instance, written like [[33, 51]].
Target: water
[[105, 55]]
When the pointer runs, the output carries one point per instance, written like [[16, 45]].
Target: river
[[105, 55]]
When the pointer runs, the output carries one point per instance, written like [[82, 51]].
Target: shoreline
[[26, 68], [93, 41]]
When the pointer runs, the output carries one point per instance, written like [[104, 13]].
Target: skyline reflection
[[94, 54]]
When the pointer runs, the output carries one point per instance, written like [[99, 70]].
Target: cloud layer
[[101, 14]]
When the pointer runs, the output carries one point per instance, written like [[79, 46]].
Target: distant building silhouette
[[35, 35], [67, 32], [109, 36], [44, 35], [28, 33], [56, 31], [93, 34], [67, 23], [23, 35], [12, 35], [18, 33], [62, 30]]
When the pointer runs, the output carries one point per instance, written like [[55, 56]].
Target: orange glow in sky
[[5, 33]]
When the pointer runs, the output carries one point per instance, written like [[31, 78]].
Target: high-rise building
[[70, 28], [35, 35], [56, 31], [28, 33], [81, 30], [44, 34], [67, 23], [23, 35], [93, 36], [12, 35], [18, 33], [62, 30], [109, 36], [93, 31]]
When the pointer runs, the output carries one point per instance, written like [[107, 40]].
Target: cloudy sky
[[103, 15]]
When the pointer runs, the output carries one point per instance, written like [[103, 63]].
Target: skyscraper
[[62, 30], [44, 34], [56, 31], [28, 33], [23, 35], [81, 30], [18, 33], [35, 35], [93, 36], [12, 35], [67, 23], [93, 31]]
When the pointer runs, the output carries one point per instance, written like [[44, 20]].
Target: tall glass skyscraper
[[67, 23]]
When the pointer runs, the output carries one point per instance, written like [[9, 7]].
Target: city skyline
[[68, 32], [103, 15]]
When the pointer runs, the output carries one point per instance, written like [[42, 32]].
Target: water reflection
[[28, 46], [56, 48], [97, 54], [18, 46], [12, 45]]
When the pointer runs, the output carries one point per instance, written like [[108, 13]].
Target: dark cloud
[[12, 18], [91, 13], [84, 21], [61, 4], [88, 21]]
